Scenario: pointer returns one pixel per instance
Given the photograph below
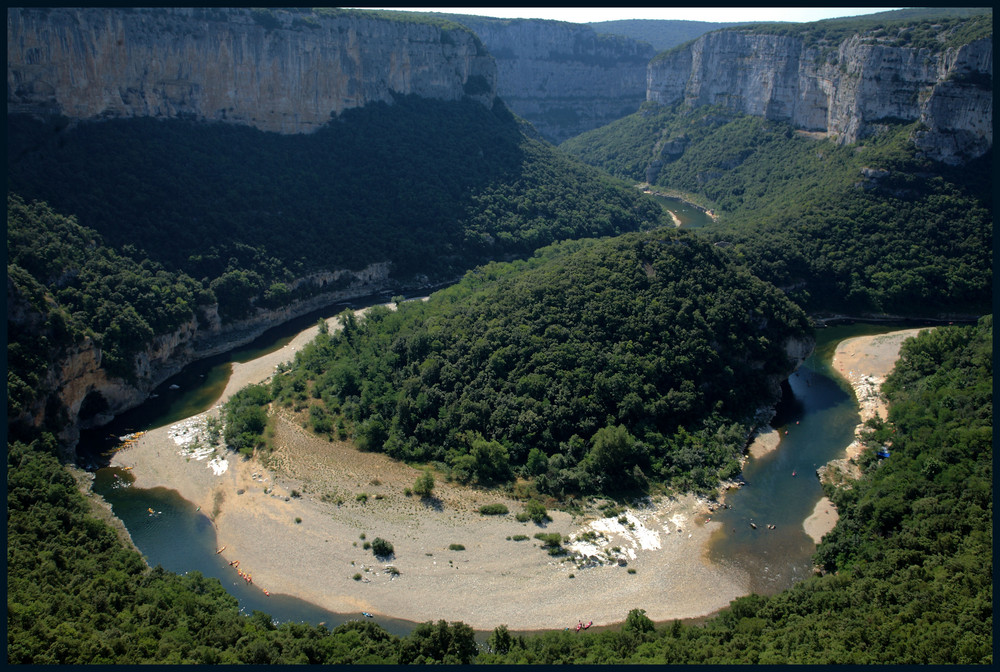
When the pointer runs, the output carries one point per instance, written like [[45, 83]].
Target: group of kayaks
[[243, 575]]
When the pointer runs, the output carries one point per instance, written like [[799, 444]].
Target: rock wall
[[278, 70], [80, 386], [846, 92], [563, 77]]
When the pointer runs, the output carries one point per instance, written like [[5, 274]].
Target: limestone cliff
[[286, 71], [80, 387], [563, 77], [847, 91]]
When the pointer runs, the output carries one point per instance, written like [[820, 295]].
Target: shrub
[[357, 576], [549, 539], [424, 484], [536, 511], [493, 510], [381, 547], [519, 537], [456, 547], [297, 519], [362, 497]]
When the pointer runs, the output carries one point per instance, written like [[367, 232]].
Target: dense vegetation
[[140, 224], [593, 365], [64, 286], [634, 351], [77, 595], [933, 28], [836, 226], [432, 187], [908, 567]]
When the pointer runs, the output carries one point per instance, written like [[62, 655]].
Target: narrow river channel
[[816, 419]]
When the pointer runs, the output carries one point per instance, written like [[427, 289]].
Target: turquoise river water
[[817, 411]]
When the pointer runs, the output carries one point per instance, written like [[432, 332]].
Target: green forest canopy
[[591, 364], [908, 567], [867, 227], [432, 187]]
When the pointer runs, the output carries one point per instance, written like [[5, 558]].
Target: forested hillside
[[593, 366], [837, 226], [589, 348], [908, 567], [432, 187], [149, 224]]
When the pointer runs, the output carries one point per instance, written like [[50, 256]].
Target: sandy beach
[[765, 441], [298, 523], [496, 579], [864, 361]]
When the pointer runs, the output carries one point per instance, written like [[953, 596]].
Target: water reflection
[[817, 412], [175, 534], [815, 420], [689, 216]]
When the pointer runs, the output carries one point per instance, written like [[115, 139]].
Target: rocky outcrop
[[78, 385], [563, 77], [277, 70], [847, 91]]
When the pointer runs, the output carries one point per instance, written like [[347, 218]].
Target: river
[[689, 216], [816, 419]]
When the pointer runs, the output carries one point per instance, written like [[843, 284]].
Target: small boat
[[150, 510], [220, 550], [588, 625], [753, 525], [793, 473], [366, 614]]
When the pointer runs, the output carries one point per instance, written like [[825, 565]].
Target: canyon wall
[[80, 387], [277, 70], [845, 91]]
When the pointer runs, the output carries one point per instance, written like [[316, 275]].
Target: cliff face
[[282, 71], [79, 385], [563, 77], [846, 92]]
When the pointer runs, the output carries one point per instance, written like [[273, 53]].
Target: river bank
[[864, 361], [647, 189], [298, 523]]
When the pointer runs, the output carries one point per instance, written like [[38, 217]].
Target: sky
[[718, 14]]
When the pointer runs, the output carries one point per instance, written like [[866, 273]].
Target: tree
[[613, 455], [500, 641]]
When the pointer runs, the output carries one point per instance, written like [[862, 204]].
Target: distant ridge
[[660, 33]]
